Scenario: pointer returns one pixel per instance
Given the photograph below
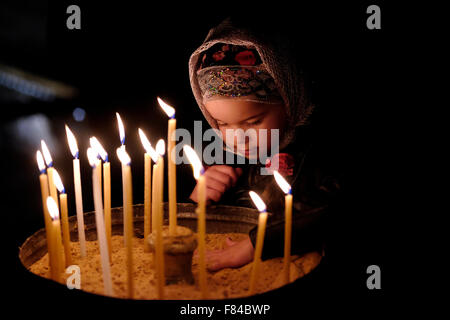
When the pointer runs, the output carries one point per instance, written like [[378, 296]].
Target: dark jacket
[[315, 186]]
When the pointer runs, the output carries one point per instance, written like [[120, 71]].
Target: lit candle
[[284, 185], [56, 267], [172, 171], [128, 206], [44, 193], [49, 162], [260, 205], [149, 154], [97, 146], [101, 237], [64, 217], [78, 194], [122, 145], [201, 215], [159, 217]]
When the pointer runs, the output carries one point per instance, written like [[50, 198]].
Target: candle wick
[[43, 171], [50, 164], [77, 154], [172, 116], [106, 158]]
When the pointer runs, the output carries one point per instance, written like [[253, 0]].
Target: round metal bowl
[[220, 219]]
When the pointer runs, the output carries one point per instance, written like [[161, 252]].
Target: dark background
[[125, 55]]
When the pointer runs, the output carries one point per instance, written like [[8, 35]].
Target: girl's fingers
[[229, 242], [194, 194], [213, 194], [220, 176], [216, 263], [215, 184], [230, 171]]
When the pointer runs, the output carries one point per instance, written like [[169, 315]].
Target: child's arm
[[219, 178], [235, 254], [308, 236]]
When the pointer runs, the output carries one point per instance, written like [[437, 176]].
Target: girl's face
[[240, 114]]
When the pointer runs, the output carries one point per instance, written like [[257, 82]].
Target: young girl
[[242, 80]]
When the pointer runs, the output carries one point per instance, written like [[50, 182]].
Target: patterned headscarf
[[228, 70], [273, 57]]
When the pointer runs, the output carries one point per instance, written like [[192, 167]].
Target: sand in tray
[[222, 284]]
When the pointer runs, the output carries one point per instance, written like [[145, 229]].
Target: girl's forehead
[[233, 110]]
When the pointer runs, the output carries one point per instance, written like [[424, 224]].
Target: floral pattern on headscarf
[[235, 71], [222, 54]]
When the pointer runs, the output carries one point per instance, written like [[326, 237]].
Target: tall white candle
[[101, 236], [124, 193], [78, 194], [97, 146], [262, 220], [49, 162], [149, 154], [201, 216], [285, 186], [128, 206], [172, 124], [159, 220]]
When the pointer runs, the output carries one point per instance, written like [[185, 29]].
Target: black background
[[125, 55]]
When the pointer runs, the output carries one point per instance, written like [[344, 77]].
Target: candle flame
[[72, 142], [47, 155], [121, 128], [259, 203], [282, 183], [92, 157], [170, 111], [97, 146], [58, 182], [161, 147], [197, 167], [52, 208], [40, 161], [123, 156], [148, 146]]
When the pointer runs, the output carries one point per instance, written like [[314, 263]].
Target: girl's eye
[[255, 122]]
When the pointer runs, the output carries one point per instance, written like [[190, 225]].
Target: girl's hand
[[218, 179], [234, 255]]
